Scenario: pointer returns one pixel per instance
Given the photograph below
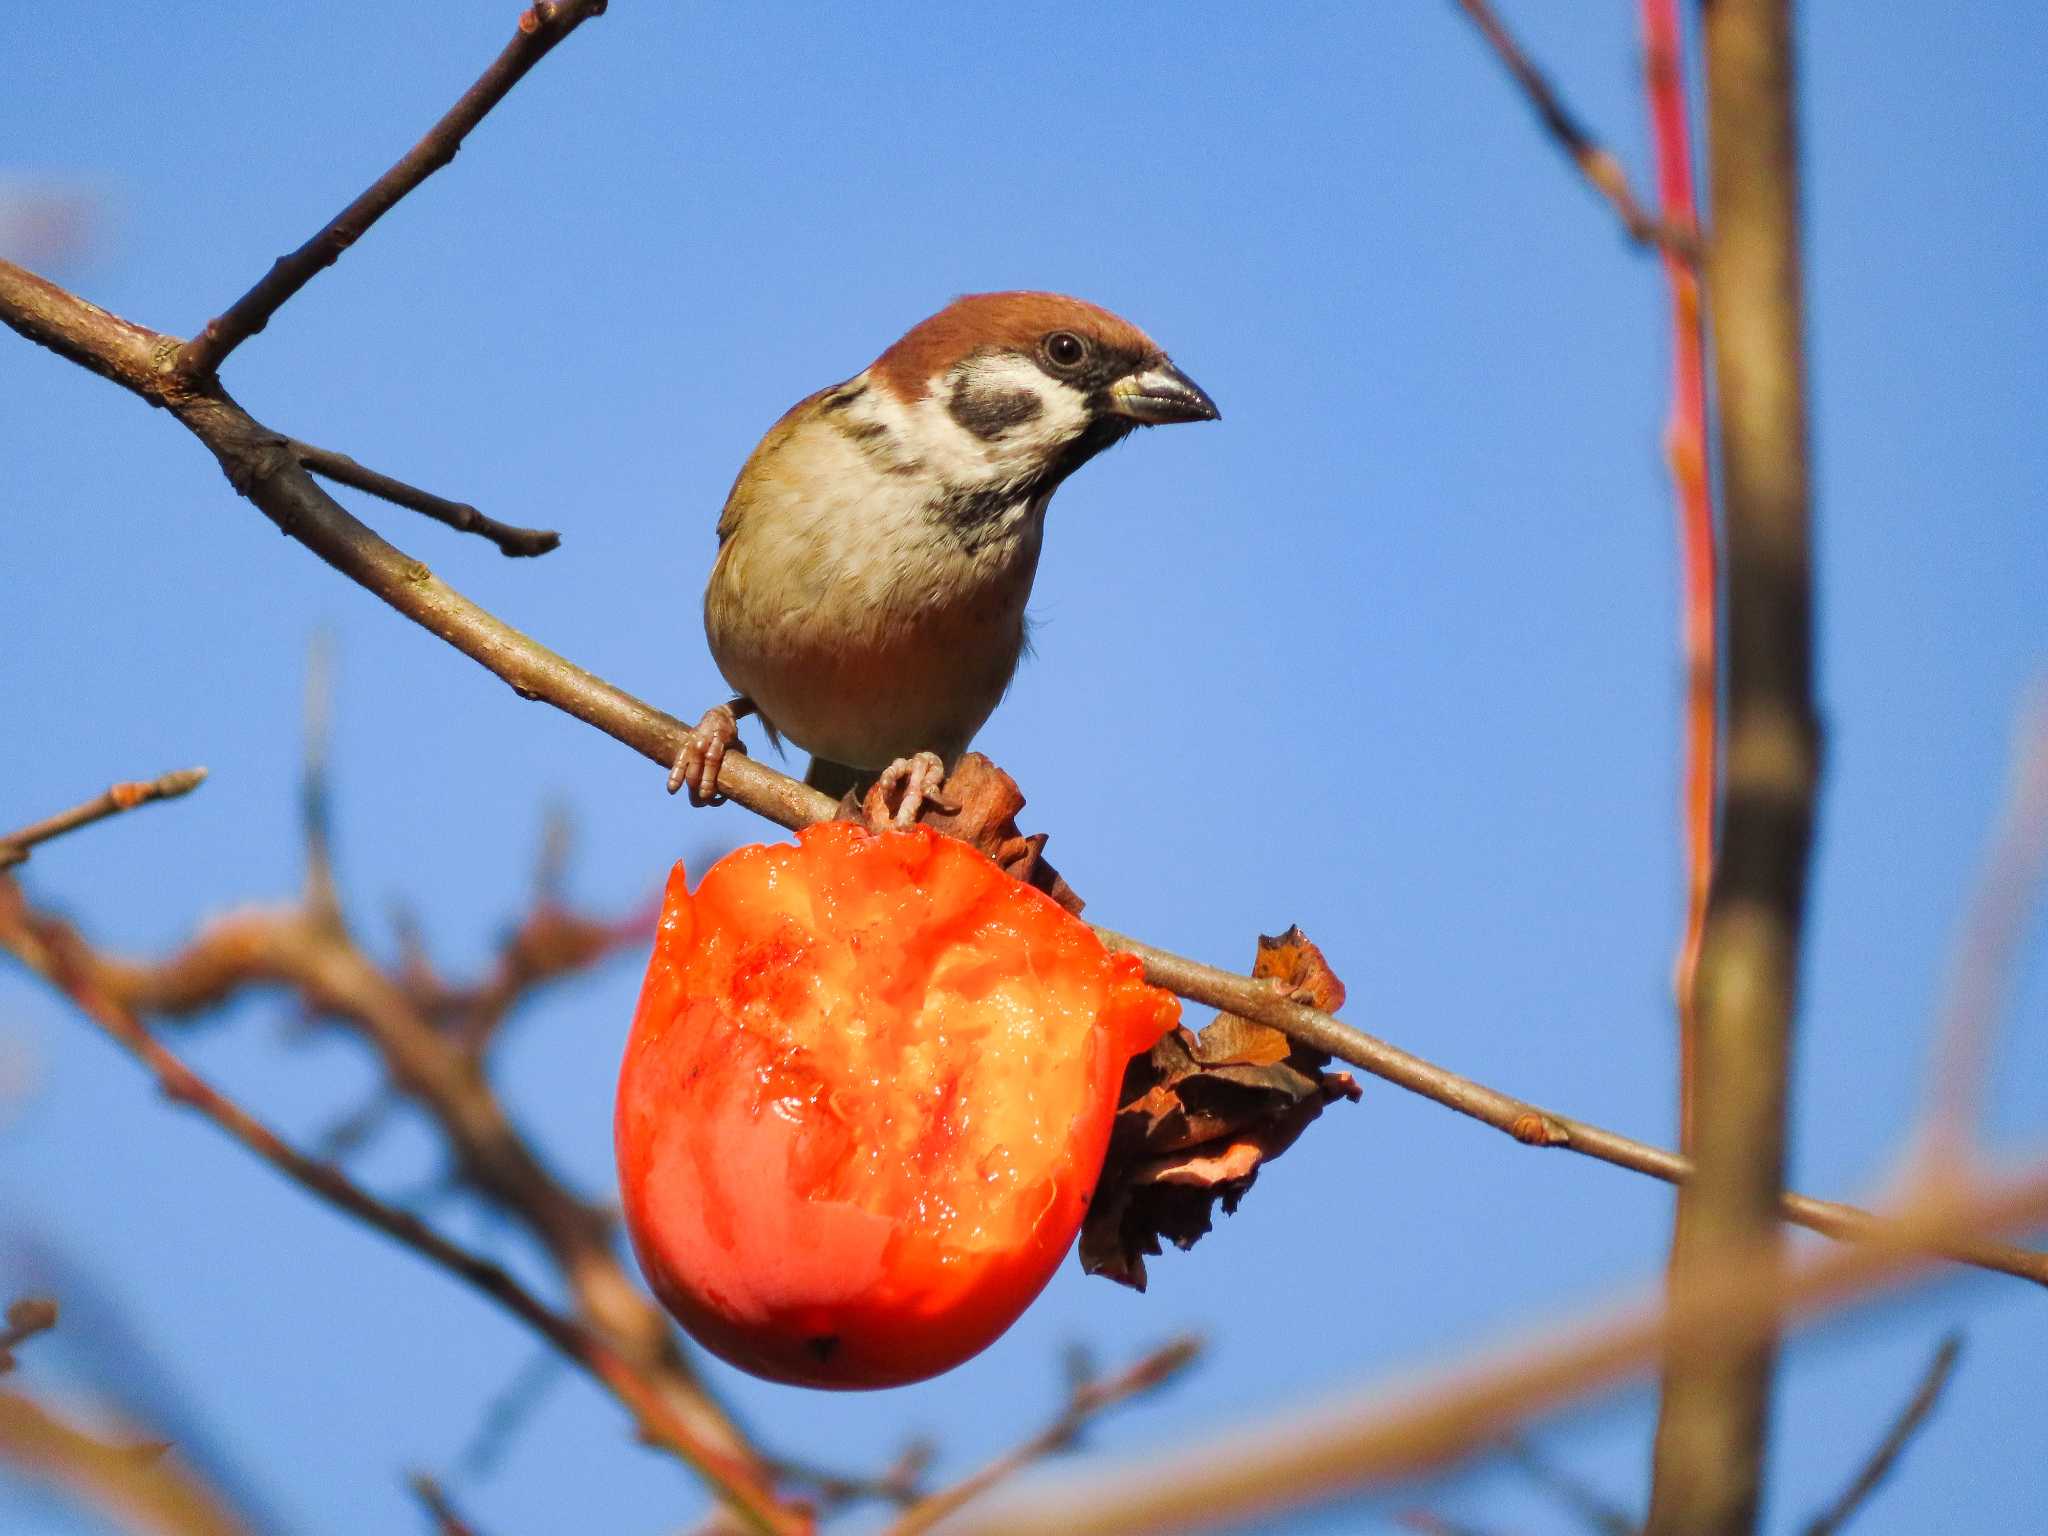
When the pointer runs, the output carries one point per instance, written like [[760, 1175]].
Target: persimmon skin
[[864, 1102]]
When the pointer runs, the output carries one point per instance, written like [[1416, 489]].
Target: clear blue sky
[[1422, 574]]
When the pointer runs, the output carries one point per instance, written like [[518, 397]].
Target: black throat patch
[[976, 514]]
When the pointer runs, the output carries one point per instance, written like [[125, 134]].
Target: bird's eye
[[1063, 349]]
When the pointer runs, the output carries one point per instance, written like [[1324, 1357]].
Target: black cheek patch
[[988, 414]]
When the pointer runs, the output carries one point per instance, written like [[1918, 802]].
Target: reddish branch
[[1685, 446], [1714, 1417], [1595, 162], [540, 28]]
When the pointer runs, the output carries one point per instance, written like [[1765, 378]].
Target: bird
[[877, 550]]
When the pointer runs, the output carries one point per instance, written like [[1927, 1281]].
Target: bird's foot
[[913, 782], [697, 765]]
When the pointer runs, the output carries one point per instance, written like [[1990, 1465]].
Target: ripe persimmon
[[865, 1101]]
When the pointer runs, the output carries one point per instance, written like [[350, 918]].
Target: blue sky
[[1422, 576]]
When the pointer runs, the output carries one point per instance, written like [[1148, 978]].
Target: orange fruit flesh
[[866, 1099]]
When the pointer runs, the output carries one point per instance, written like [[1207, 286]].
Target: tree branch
[[26, 1317], [313, 954], [1685, 448], [143, 1491], [545, 24], [15, 846], [1885, 1456], [1087, 1400], [1595, 163], [459, 515], [260, 465], [1335, 1450], [1714, 1419], [1985, 962], [52, 950], [439, 1508]]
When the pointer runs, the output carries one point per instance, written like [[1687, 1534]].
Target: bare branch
[[540, 28], [145, 1492], [1335, 1450], [1714, 1419], [1685, 449], [1598, 1512], [262, 468], [1984, 967], [1526, 1122], [440, 1509], [52, 950], [26, 1318], [1885, 1456], [116, 798], [320, 962], [899, 1483], [1595, 163], [459, 515], [1087, 1400]]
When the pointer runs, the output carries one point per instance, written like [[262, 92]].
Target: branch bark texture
[[1714, 1417]]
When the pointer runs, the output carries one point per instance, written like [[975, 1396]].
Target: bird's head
[[1024, 388]]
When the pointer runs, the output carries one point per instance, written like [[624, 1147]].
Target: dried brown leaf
[[1202, 1114]]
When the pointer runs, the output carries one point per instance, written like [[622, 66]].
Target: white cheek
[[1061, 416], [925, 429]]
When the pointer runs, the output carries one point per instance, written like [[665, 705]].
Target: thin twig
[[1086, 1401], [116, 798], [1592, 1507], [1886, 1453], [1526, 1122], [540, 28], [1714, 1414], [1595, 163], [460, 515], [440, 1509], [901, 1483], [1984, 968], [509, 1408], [1333, 1450], [54, 952], [26, 1318]]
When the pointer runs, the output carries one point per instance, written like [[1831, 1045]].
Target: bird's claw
[[697, 764], [914, 782]]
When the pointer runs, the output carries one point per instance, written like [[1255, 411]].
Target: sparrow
[[878, 548]]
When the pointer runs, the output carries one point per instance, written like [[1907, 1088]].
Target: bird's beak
[[1160, 394]]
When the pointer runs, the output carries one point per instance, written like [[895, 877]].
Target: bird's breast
[[869, 614]]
